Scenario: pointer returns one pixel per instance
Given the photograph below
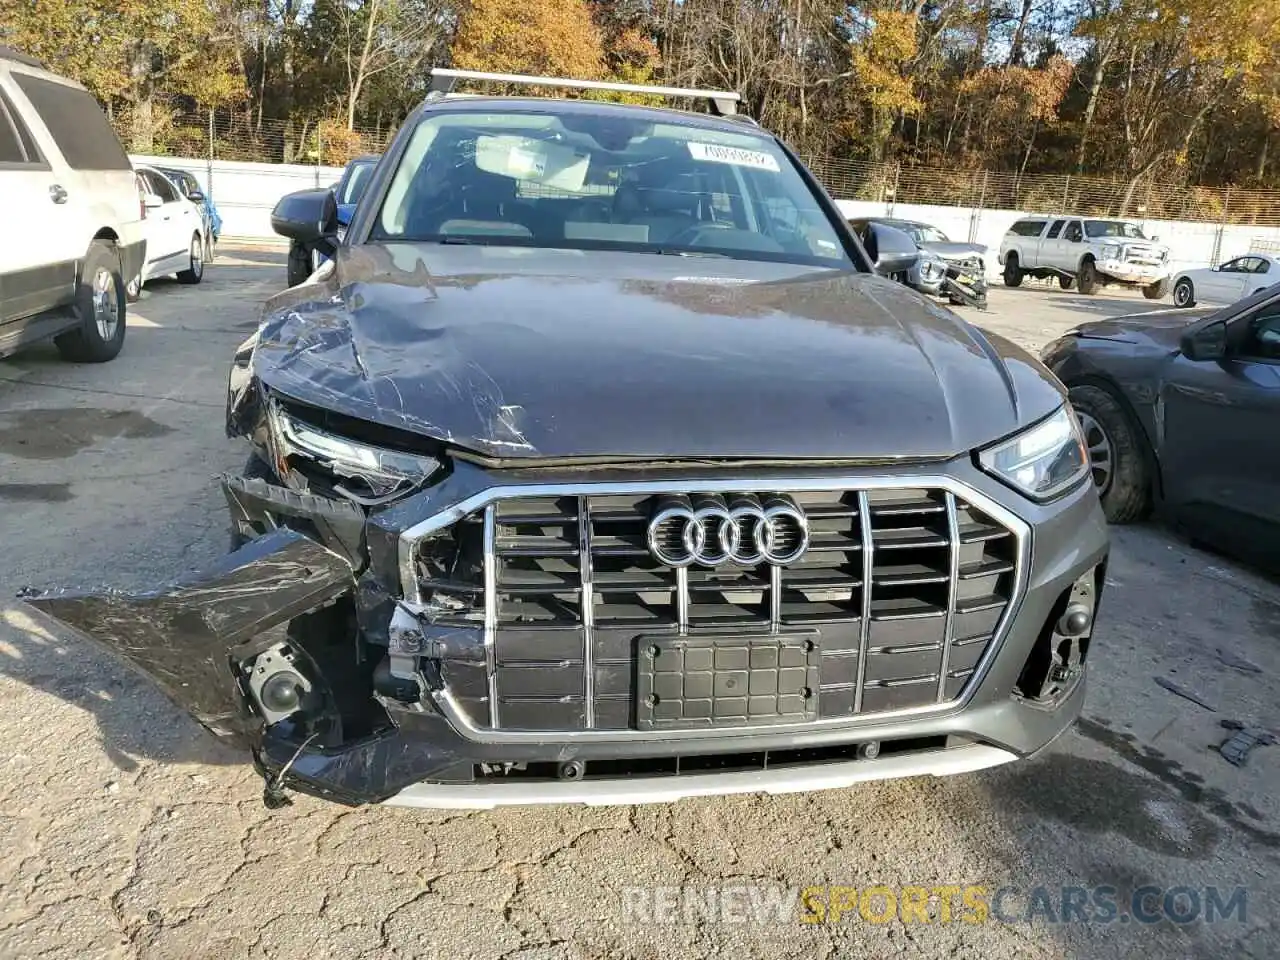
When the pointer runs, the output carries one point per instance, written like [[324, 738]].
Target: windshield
[[1113, 228], [923, 233], [599, 182], [357, 178]]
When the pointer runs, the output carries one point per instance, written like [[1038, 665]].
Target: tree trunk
[[1095, 91], [1261, 172], [141, 126], [141, 119], [362, 69], [1019, 36]]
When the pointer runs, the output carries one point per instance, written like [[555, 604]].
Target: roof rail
[[8, 53], [723, 102]]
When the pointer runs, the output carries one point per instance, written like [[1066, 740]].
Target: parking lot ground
[[126, 831]]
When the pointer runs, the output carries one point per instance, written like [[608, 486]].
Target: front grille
[[905, 590]]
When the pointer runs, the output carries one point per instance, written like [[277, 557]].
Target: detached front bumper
[[368, 733], [959, 283]]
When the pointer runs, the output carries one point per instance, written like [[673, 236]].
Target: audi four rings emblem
[[745, 530]]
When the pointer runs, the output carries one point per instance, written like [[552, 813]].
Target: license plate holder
[[726, 680]]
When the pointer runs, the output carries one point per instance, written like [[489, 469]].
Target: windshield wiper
[[692, 253]]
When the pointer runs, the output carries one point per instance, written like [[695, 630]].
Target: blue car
[[190, 187], [303, 260]]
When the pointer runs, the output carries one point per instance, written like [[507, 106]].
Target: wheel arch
[[1103, 382]]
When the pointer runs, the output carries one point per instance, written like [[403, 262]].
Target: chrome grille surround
[[951, 496]]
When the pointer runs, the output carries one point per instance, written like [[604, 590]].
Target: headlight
[[369, 475], [1043, 460], [1110, 251], [932, 267]]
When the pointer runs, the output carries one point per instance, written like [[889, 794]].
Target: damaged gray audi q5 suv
[[598, 465]]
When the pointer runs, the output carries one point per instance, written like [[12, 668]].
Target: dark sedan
[[1181, 412]]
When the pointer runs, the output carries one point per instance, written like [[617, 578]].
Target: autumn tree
[[885, 42], [355, 41], [549, 37], [131, 51]]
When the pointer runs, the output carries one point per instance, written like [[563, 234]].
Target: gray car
[[600, 466], [946, 268], [1179, 409]]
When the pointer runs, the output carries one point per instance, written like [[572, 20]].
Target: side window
[[1264, 266], [76, 123], [1263, 342], [1233, 266], [159, 185], [16, 143], [10, 146], [1252, 265], [1054, 230], [1027, 228], [164, 188], [28, 142], [1074, 232]]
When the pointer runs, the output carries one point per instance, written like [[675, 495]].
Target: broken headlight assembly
[[932, 267], [1044, 460], [367, 474]]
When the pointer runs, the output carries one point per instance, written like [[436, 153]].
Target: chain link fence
[[1044, 193], [239, 134]]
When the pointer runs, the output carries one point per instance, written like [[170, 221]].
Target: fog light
[[1056, 661], [1076, 621], [278, 684], [282, 692]]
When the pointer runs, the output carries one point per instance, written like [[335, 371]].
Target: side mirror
[[891, 250], [1207, 342], [308, 216], [195, 196], [151, 201], [1155, 239]]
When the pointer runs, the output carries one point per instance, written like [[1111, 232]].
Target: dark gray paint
[[520, 354]]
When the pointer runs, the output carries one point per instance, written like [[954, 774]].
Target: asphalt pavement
[[127, 831]]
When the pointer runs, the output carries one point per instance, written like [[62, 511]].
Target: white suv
[[73, 218]]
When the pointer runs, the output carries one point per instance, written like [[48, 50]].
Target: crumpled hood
[[530, 354], [954, 250]]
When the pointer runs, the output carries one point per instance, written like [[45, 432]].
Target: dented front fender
[[186, 636]]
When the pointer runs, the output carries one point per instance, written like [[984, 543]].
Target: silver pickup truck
[[1088, 252]]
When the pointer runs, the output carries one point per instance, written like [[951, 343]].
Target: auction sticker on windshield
[[716, 153]]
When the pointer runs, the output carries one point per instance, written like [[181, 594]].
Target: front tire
[[299, 267], [1117, 453], [195, 269], [1156, 291], [101, 307], [1184, 293], [1088, 278], [1012, 273]]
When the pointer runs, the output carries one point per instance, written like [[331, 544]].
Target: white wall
[[246, 192], [1190, 244]]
